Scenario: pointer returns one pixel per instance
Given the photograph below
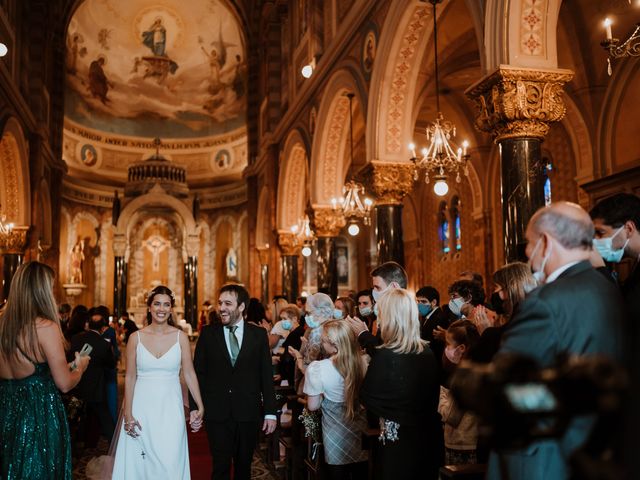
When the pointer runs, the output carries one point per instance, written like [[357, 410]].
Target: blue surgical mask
[[604, 246], [337, 314], [375, 309], [424, 309], [310, 321], [377, 293], [365, 311], [455, 305], [286, 324]]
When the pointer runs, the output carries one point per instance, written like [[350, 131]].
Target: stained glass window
[[455, 218], [547, 183], [443, 228]]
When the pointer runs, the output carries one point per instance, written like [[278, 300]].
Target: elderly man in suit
[[233, 364], [575, 311]]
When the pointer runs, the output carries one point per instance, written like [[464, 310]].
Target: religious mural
[[144, 68]]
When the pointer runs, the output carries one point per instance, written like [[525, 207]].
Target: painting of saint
[[369, 51], [99, 84], [156, 38], [88, 155], [223, 159], [342, 261]]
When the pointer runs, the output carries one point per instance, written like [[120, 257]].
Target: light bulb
[[3, 50], [353, 229], [441, 188], [307, 71], [306, 251]]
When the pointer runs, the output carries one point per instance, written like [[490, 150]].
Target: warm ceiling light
[[306, 251], [3, 50], [441, 188]]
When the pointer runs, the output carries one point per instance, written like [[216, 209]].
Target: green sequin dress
[[34, 434]]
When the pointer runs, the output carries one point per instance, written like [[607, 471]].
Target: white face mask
[[604, 246], [455, 305], [539, 275], [376, 293]]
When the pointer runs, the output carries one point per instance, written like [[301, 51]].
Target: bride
[[153, 442]]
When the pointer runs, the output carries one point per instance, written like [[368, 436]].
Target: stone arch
[[521, 33], [330, 141], [292, 183], [578, 131], [15, 185], [263, 221], [73, 226], [133, 209]]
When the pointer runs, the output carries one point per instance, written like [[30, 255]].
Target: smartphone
[[86, 350]]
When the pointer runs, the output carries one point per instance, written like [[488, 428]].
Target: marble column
[[120, 274], [290, 251], [326, 224], [192, 247], [263, 255], [12, 246], [517, 106], [390, 182]]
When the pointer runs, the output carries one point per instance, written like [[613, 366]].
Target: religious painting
[[342, 265], [150, 69], [223, 159], [369, 48], [88, 155]]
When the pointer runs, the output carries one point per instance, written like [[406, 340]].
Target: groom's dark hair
[[241, 293]]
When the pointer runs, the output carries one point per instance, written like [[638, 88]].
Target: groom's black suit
[[236, 398]]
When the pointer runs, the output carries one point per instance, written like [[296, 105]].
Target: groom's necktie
[[234, 346]]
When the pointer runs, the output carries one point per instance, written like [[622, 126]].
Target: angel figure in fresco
[[214, 66], [76, 260]]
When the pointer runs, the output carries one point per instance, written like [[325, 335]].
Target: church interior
[[288, 145]]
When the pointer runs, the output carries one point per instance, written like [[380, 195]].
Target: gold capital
[[519, 102], [327, 222], [390, 182], [14, 241], [288, 244]]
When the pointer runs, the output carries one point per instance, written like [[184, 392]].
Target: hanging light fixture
[[352, 206], [629, 48], [5, 228], [440, 158], [304, 235]]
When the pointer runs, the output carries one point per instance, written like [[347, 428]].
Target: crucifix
[[156, 245]]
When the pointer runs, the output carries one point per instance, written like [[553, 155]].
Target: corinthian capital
[[14, 241], [519, 102], [390, 182], [288, 244], [327, 222]]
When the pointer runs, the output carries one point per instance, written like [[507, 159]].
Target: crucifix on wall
[[156, 245]]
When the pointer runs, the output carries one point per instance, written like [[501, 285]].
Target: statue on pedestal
[[76, 262]]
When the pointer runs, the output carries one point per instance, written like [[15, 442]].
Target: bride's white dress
[[161, 451]]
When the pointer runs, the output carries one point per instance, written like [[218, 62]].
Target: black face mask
[[497, 304]]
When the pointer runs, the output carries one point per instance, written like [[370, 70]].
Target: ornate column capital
[[327, 222], [517, 102], [15, 241], [288, 244], [192, 245], [263, 254], [119, 245], [390, 182]]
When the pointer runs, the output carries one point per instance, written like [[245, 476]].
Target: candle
[[607, 26], [412, 147], [465, 144]]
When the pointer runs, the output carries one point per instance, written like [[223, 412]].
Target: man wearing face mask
[[575, 311], [383, 277], [365, 308]]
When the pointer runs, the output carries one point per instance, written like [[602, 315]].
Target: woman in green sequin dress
[[34, 435]]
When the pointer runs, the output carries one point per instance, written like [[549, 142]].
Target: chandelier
[[303, 235], [5, 228], [441, 157], [628, 48], [351, 205]]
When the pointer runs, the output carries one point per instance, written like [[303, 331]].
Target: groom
[[233, 365]]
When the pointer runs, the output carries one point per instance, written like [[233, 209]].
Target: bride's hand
[[195, 419], [130, 425]]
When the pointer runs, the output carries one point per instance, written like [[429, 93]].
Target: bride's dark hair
[[161, 290]]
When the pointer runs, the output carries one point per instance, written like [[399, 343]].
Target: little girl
[[460, 426]]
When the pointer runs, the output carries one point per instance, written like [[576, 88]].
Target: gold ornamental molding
[[390, 182], [327, 222], [15, 241], [288, 244], [519, 102]]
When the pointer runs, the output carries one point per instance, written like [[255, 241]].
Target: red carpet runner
[[199, 455]]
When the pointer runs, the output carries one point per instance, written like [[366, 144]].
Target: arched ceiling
[[140, 69]]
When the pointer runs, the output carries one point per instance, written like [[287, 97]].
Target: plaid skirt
[[342, 438]]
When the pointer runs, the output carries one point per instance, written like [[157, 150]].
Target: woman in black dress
[[401, 391]]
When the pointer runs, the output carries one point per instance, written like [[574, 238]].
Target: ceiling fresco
[[144, 68]]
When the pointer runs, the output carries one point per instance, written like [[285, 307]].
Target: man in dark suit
[[431, 317], [233, 364], [575, 311], [92, 386]]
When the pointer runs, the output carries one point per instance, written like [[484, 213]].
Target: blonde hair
[[291, 311], [320, 306], [348, 306], [30, 297], [399, 324], [516, 280], [347, 361], [276, 307]]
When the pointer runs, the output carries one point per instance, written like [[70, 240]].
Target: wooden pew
[[463, 472]]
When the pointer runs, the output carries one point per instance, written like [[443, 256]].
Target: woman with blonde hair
[[333, 385], [401, 389], [345, 307], [512, 283], [34, 433]]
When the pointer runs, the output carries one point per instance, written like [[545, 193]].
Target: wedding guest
[[34, 434]]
